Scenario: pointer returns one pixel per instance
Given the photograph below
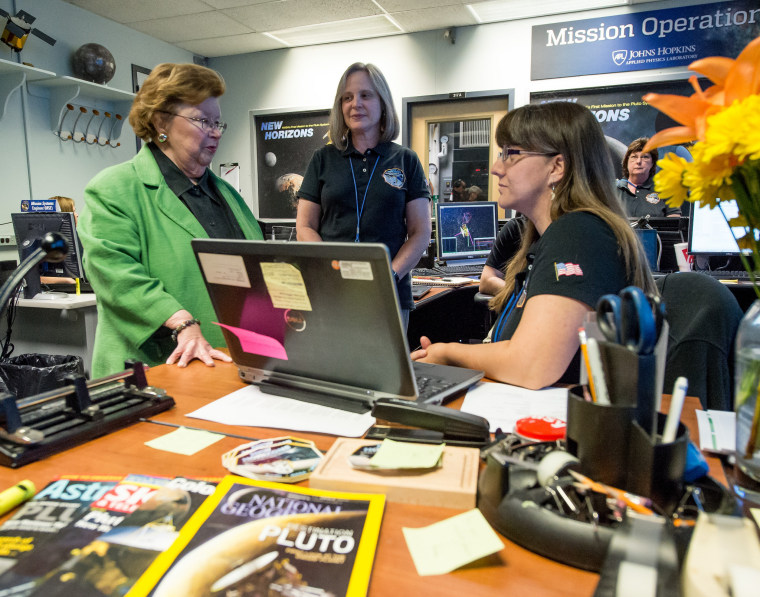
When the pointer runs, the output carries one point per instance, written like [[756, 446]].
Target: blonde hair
[[572, 131], [389, 125], [167, 86], [65, 203]]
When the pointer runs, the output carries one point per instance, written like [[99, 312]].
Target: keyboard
[[723, 274], [428, 387], [448, 270]]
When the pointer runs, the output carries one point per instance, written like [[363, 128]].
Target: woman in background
[[364, 188], [636, 188], [141, 216], [576, 246]]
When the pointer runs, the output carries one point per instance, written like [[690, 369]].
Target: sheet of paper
[[251, 407], [184, 441], [447, 545], [717, 431], [503, 405], [395, 455]]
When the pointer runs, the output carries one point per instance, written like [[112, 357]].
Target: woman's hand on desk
[[429, 352], [191, 344]]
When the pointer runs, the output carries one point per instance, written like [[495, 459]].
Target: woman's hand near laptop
[[190, 342]]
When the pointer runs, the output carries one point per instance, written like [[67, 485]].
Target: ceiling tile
[[404, 5], [231, 45], [364, 28], [434, 18], [131, 11], [188, 27], [286, 14]]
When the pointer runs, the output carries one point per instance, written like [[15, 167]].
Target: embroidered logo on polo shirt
[[394, 177], [567, 269], [653, 198]]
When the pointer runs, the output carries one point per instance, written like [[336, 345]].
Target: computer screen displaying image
[[466, 231], [709, 232]]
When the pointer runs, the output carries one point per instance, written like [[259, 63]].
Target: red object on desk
[[541, 429]]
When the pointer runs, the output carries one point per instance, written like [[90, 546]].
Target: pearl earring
[[162, 137]]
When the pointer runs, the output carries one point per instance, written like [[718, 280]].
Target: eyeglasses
[[508, 151], [202, 123]]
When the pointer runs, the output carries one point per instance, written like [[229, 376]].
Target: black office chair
[[703, 315]]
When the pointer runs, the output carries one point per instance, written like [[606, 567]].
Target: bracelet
[[185, 324]]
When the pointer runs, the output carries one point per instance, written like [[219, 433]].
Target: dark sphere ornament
[[93, 62]]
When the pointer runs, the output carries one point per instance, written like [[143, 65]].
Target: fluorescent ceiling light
[[508, 10], [362, 28]]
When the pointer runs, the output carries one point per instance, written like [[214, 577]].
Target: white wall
[[485, 57], [35, 164]]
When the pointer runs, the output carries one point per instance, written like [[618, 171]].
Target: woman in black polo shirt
[[364, 188], [576, 246]]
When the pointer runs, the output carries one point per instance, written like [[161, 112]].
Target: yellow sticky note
[[285, 286], [184, 441], [392, 454], [756, 515], [450, 544]]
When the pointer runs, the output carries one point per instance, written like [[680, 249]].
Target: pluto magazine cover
[[261, 538]]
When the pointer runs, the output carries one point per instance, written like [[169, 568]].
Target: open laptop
[[318, 322], [464, 235]]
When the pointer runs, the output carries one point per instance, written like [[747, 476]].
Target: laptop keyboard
[[427, 387], [722, 274], [448, 270]]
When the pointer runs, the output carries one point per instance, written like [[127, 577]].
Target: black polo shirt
[[390, 175], [644, 202], [203, 199]]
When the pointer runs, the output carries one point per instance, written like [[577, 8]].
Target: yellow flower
[[669, 180]]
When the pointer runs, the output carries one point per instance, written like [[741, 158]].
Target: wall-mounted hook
[[106, 116], [82, 110], [87, 136], [64, 136], [116, 122]]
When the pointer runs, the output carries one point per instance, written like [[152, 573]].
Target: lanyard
[[359, 212], [511, 304]]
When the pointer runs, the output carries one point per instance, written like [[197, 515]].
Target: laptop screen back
[[710, 234], [466, 230], [324, 316]]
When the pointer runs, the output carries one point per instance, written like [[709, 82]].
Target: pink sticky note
[[257, 343]]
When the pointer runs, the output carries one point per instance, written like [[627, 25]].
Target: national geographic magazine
[[263, 538]]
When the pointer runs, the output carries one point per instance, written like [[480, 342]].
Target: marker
[[676, 406], [79, 288], [584, 352], [16, 495], [597, 371]]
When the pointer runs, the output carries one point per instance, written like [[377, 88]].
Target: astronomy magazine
[[261, 538]]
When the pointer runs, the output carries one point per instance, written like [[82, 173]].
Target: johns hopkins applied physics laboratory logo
[[619, 57]]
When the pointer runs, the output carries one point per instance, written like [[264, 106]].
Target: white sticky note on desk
[[450, 544]]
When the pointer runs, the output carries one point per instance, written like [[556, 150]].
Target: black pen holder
[[599, 435], [655, 469]]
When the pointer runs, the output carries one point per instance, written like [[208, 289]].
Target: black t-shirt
[[386, 178], [577, 257], [646, 201]]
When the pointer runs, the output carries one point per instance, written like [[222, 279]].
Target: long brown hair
[[587, 185]]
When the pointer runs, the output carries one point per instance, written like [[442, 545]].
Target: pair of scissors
[[631, 318]]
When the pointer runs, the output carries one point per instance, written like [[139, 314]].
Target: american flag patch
[[567, 269]]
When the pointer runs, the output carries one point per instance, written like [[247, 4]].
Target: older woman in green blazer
[[141, 216]]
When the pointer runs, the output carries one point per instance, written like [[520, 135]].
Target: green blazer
[[136, 236]]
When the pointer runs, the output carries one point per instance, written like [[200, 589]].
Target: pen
[[674, 414], [584, 352], [597, 371]]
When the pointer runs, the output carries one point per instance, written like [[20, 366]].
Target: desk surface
[[70, 301], [513, 571]]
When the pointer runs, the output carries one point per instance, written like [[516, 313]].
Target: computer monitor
[[30, 227], [465, 231], [670, 231], [710, 234]]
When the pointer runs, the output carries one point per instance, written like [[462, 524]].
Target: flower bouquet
[[724, 121]]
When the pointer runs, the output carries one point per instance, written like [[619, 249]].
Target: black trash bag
[[31, 374]]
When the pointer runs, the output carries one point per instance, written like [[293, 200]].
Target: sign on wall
[[621, 112], [283, 143], [643, 40]]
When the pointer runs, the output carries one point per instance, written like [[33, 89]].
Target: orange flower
[[734, 80]]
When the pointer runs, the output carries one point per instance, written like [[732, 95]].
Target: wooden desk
[[513, 571]]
